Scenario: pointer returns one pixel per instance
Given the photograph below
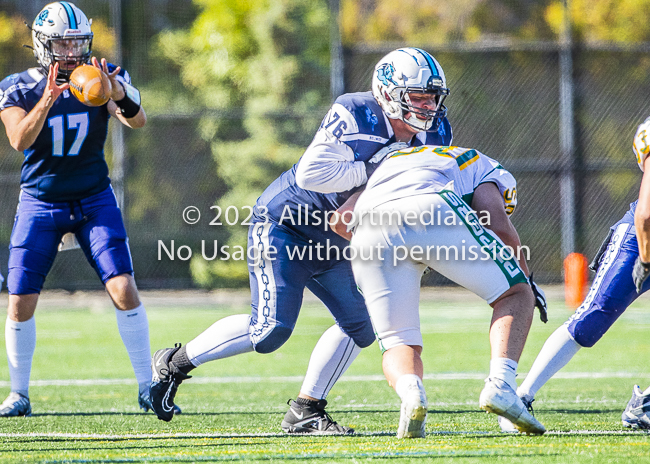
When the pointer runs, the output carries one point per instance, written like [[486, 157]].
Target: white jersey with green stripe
[[431, 169]]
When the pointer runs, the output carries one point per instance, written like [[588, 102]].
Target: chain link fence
[[504, 102]]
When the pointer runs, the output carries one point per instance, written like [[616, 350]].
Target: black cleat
[[144, 401], [164, 382], [310, 417]]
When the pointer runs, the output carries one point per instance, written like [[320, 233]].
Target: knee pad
[[588, 330], [363, 335], [113, 259], [22, 282], [274, 340]]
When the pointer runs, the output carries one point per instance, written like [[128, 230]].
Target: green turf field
[[84, 396]]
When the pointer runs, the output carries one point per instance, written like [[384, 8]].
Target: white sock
[[226, 337], [555, 354], [504, 369], [646, 392], [406, 382], [20, 339], [134, 330], [330, 358]]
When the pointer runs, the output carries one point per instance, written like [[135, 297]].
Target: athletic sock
[[134, 330], [407, 382], [555, 354], [182, 361], [305, 402], [226, 337], [646, 392], [330, 358], [504, 369], [20, 340]]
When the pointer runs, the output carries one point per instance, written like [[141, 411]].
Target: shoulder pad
[[123, 75], [14, 86], [366, 113]]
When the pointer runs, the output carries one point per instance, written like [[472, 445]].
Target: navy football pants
[[278, 282], [612, 290], [39, 226]]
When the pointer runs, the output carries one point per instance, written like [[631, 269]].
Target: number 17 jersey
[[66, 161]]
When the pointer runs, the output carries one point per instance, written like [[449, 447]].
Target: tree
[[259, 70]]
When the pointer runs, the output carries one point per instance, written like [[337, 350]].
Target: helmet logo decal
[[385, 73], [372, 119], [41, 17]]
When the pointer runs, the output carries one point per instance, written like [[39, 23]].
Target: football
[[90, 85]]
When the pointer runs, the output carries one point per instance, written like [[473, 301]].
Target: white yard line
[[153, 436], [347, 378]]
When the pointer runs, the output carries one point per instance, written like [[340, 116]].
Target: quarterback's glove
[[640, 273], [540, 299], [374, 162]]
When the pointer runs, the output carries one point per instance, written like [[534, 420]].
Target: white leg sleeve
[[133, 326], [555, 354], [20, 339], [226, 337], [331, 357]]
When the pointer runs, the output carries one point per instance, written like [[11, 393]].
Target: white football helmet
[[410, 71], [61, 33]]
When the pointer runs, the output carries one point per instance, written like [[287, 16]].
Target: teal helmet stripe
[[72, 20], [430, 62]]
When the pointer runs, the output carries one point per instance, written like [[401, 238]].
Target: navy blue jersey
[[628, 218], [66, 162], [357, 121], [370, 132]]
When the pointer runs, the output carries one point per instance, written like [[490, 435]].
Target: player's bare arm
[[339, 217], [118, 94], [487, 200], [642, 215], [22, 128]]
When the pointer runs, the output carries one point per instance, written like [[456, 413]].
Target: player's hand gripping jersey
[[334, 165], [430, 169], [66, 162]]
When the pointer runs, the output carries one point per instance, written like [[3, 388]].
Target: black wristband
[[128, 107]]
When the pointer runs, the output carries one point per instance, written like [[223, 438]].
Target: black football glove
[[640, 273], [540, 299]]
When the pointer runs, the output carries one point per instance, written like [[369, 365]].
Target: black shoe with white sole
[[166, 378], [308, 416]]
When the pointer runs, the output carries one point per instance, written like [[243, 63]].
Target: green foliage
[[624, 21], [13, 34], [427, 23], [259, 71]]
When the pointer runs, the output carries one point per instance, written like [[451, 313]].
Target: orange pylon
[[575, 279]]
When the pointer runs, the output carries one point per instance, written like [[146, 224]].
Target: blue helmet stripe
[[432, 65], [72, 20]]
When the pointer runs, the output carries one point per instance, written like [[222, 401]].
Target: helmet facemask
[[69, 52], [419, 117]]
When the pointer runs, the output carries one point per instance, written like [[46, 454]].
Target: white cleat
[[507, 426], [498, 397], [413, 416]]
